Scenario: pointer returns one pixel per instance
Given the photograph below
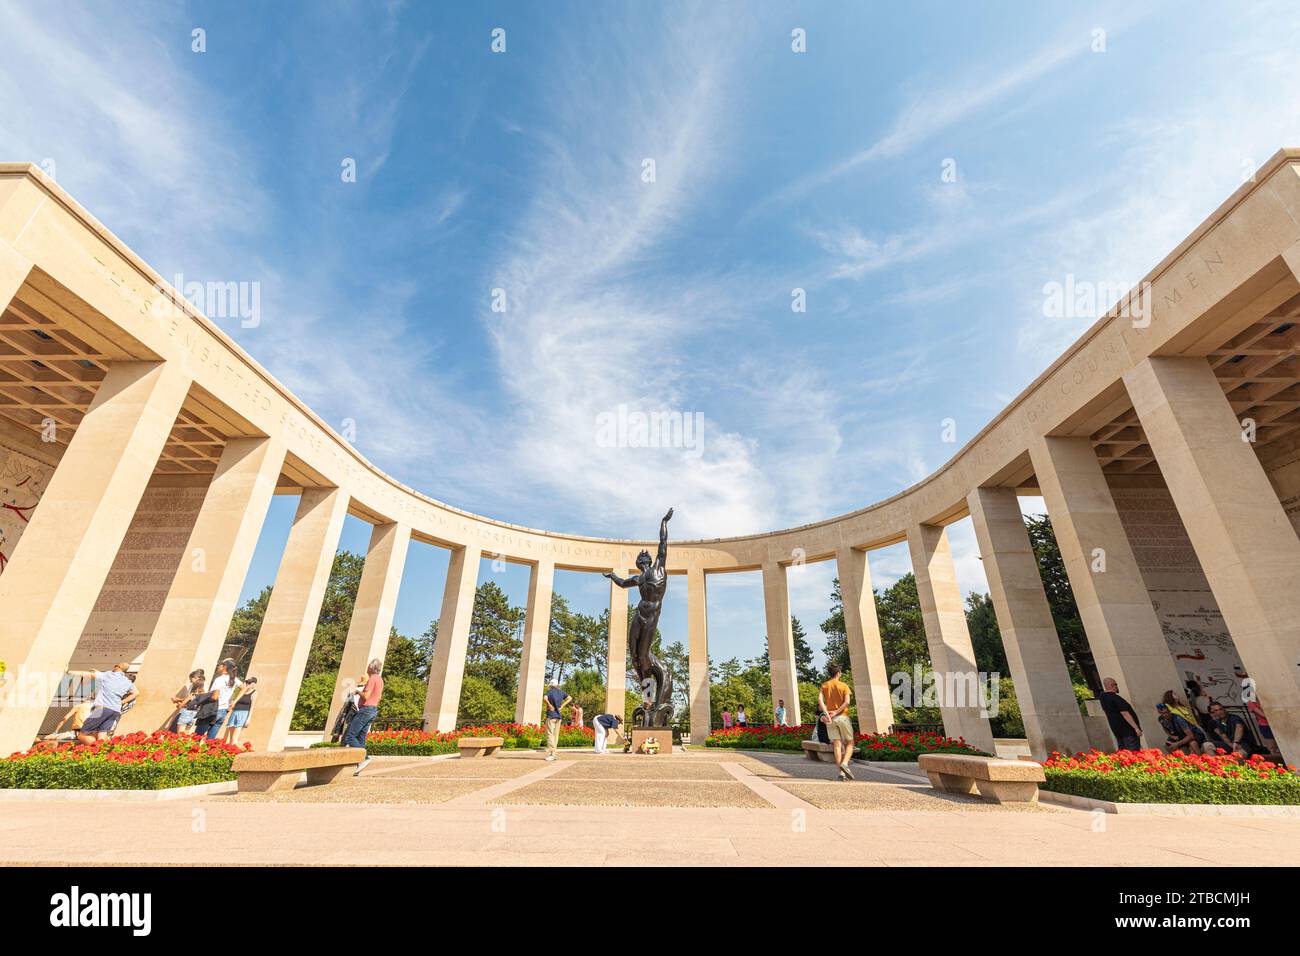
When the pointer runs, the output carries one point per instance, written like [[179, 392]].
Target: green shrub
[[312, 708], [480, 701]]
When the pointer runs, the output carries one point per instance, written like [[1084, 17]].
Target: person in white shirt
[[223, 686]]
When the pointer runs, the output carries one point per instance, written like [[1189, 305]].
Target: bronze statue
[[656, 683]]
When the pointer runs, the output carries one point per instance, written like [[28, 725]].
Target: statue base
[[663, 735]]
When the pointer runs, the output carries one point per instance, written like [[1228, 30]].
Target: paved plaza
[[693, 807]]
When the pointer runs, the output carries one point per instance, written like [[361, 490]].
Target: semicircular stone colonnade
[[153, 446]]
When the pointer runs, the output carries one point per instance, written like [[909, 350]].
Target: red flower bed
[[1153, 776], [901, 746], [137, 761], [516, 736]]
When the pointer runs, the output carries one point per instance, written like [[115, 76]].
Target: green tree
[[587, 688], [312, 707], [340, 598], [902, 630], [986, 639], [424, 650], [560, 643], [1060, 598], [246, 622], [402, 658], [837, 639], [494, 645], [803, 653]]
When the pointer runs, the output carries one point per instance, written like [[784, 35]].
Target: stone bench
[[998, 780], [816, 750], [479, 746], [261, 772]]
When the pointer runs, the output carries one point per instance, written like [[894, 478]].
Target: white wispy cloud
[[591, 325]]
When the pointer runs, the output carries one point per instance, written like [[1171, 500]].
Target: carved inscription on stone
[[133, 594]]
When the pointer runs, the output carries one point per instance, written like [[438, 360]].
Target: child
[[77, 714]]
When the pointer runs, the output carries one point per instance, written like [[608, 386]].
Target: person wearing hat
[[1181, 734], [556, 701]]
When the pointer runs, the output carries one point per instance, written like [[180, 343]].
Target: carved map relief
[[132, 598], [1194, 629], [22, 482]]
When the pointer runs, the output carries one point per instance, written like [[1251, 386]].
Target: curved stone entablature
[[179, 399], [1235, 249]]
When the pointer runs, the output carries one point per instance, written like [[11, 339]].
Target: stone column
[[697, 632], [63, 558], [201, 601], [280, 655], [1042, 679], [537, 630], [1123, 632], [616, 667], [372, 614], [866, 653], [780, 640], [447, 669], [1242, 536], [944, 614]]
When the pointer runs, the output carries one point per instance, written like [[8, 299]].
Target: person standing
[[575, 713], [114, 690], [241, 709], [188, 714], [780, 713], [726, 718], [371, 691], [603, 724], [833, 698], [1200, 702], [223, 688], [179, 700], [556, 701], [741, 719], [1119, 714]]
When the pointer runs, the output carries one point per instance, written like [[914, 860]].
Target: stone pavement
[[713, 808]]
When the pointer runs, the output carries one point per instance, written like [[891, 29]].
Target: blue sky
[[774, 171]]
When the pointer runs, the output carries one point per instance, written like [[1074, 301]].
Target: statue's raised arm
[[661, 559]]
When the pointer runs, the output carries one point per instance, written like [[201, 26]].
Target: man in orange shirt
[[834, 699]]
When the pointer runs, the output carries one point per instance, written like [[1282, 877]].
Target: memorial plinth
[[663, 735]]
